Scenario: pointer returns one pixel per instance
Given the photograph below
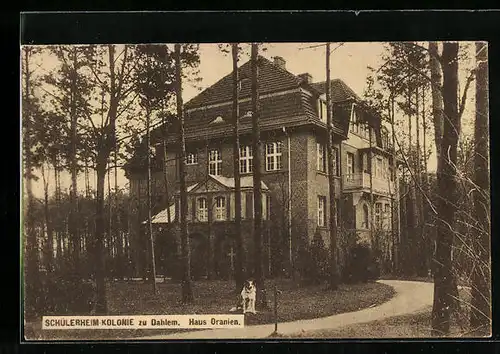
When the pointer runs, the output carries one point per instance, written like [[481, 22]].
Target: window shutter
[[228, 207]]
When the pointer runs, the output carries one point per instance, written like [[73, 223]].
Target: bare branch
[[470, 78]]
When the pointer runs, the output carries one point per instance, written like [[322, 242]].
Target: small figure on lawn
[[247, 297]]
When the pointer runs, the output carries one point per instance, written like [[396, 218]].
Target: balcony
[[361, 182]]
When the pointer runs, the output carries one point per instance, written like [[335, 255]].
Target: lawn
[[417, 325], [217, 297]]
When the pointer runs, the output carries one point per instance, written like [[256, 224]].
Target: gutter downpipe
[[292, 270]]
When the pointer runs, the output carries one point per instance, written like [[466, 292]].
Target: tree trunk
[[150, 224], [257, 178], [415, 242], [373, 236], [32, 282], [57, 221], [421, 270], [165, 182], [427, 239], [396, 209], [73, 224], [109, 235], [187, 289], [446, 206], [334, 278], [49, 261], [437, 98], [480, 318], [238, 271], [117, 227], [101, 302]]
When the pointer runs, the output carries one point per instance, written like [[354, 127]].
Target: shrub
[[361, 265], [316, 261], [68, 294]]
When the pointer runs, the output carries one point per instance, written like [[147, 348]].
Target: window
[[322, 112], [365, 217], [246, 159], [378, 214], [387, 210], [202, 209], [321, 157], [336, 161], [267, 215], [353, 120], [214, 162], [321, 210], [378, 167], [385, 138], [273, 156], [350, 166], [220, 208], [191, 158]]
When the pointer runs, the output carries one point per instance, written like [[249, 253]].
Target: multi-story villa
[[294, 172]]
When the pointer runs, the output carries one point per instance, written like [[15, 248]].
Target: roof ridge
[[295, 77], [204, 95]]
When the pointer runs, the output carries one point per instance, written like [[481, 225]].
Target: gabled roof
[[228, 182], [271, 78], [339, 90], [246, 182]]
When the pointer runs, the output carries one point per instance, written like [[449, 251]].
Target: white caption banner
[[143, 322]]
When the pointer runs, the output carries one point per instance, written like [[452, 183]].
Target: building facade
[[294, 173]]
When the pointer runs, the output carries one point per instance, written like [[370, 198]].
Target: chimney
[[306, 77], [279, 61]]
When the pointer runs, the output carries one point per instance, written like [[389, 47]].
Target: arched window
[[202, 209], [220, 208], [365, 216]]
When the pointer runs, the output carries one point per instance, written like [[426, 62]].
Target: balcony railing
[[361, 181]]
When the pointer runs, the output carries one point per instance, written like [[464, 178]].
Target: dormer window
[[218, 120], [248, 114], [242, 83]]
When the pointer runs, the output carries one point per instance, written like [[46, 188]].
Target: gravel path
[[411, 297]]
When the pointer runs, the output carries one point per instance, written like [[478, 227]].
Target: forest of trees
[[422, 90], [92, 111]]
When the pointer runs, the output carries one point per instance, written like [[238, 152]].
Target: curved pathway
[[411, 297]]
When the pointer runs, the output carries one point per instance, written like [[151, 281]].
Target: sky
[[349, 62]]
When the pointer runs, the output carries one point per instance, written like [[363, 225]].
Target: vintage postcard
[[255, 190]]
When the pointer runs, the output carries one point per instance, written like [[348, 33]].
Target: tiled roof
[[270, 107], [162, 216], [246, 182], [339, 90], [285, 100], [271, 78]]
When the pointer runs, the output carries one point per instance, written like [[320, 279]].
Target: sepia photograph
[[319, 190]]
